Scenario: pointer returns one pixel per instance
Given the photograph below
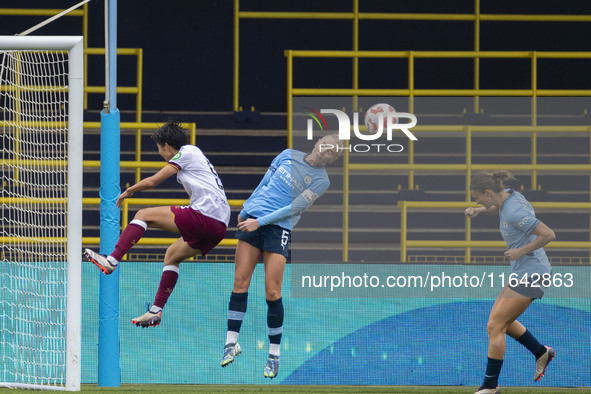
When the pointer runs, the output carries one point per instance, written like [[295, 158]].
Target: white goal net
[[41, 213]]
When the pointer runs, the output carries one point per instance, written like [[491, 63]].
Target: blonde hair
[[337, 142], [494, 181]]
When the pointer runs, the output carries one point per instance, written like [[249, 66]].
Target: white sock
[[174, 268], [112, 261], [274, 349], [231, 337], [140, 223], [155, 309]]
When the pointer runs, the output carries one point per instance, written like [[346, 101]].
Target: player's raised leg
[[175, 254], [247, 257], [543, 361], [543, 354], [156, 217]]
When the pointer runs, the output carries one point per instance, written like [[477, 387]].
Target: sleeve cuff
[[175, 165], [533, 226]]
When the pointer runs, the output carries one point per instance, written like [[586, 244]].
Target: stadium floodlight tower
[[41, 88]]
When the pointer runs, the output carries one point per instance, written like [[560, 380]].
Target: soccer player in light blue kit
[[291, 184], [526, 237]]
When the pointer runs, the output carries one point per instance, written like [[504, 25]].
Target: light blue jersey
[[517, 221], [289, 187]]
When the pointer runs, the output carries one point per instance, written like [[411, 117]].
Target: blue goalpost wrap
[[109, 369]]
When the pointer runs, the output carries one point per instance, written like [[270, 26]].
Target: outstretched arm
[[147, 183], [472, 212]]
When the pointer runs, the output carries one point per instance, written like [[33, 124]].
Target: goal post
[[41, 125]]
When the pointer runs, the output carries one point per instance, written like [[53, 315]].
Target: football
[[373, 115]]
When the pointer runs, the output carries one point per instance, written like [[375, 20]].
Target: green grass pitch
[[155, 388]]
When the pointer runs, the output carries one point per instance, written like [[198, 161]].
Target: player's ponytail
[[507, 179], [483, 180]]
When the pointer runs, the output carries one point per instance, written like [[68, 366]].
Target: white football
[[373, 115]]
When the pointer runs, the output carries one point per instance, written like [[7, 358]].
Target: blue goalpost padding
[[109, 369]]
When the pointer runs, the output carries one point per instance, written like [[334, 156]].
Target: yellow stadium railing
[[468, 243], [139, 127], [411, 92], [138, 165], [355, 16], [125, 218], [136, 90], [151, 202], [138, 52], [468, 167]]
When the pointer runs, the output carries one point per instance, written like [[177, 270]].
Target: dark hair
[[495, 181], [509, 181], [171, 133]]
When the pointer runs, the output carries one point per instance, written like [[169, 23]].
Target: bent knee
[[273, 294], [141, 215], [493, 327], [241, 284], [173, 260]]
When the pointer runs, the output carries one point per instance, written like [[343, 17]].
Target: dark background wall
[[188, 48]]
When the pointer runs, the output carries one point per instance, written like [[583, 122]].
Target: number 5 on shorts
[[284, 238]]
